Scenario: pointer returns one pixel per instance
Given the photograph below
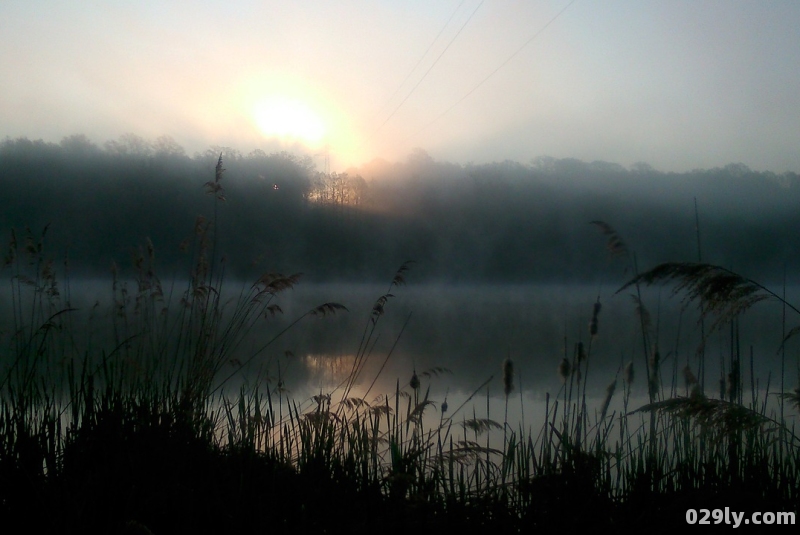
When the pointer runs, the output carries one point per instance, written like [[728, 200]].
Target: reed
[[139, 429]]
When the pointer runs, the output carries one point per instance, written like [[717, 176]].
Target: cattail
[[733, 381], [629, 373], [508, 376], [655, 359], [654, 364], [581, 352], [593, 323], [563, 370], [609, 394], [444, 406], [414, 383]]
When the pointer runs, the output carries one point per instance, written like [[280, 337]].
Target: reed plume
[[629, 375], [720, 291], [615, 245], [607, 400]]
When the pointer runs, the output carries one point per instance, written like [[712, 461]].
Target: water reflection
[[327, 372], [457, 337], [471, 330]]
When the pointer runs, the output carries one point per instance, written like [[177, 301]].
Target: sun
[[289, 120]]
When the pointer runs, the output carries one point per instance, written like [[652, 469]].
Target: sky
[[679, 85]]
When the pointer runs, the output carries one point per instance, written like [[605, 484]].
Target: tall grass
[[139, 428]]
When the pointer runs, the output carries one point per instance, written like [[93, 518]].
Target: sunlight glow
[[289, 120], [283, 112]]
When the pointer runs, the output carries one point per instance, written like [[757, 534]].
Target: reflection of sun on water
[[328, 374], [328, 370]]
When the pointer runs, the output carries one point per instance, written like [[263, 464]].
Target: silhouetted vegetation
[[504, 221], [135, 430]]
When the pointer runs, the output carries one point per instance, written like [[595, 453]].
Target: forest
[[495, 222]]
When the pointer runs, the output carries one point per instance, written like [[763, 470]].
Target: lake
[[456, 337]]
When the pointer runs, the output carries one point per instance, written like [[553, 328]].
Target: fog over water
[[505, 260], [457, 336], [470, 330]]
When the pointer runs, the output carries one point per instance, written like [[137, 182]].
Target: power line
[[503, 64], [414, 68], [431, 67]]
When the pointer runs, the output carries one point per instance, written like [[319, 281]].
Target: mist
[[512, 253], [369, 233], [504, 222]]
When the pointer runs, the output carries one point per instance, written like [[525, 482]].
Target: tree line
[[498, 222]]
